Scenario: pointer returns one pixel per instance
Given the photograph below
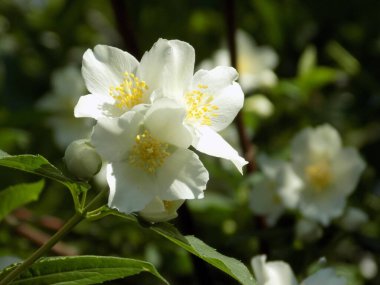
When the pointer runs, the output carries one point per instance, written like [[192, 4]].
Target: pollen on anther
[[148, 153], [130, 92], [199, 106]]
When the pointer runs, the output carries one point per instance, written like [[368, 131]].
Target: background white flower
[[329, 172], [67, 87], [280, 273], [255, 64], [148, 159], [274, 190]]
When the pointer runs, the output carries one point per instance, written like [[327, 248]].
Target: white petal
[[113, 137], [104, 67], [272, 273], [153, 63], [96, 106], [182, 176], [211, 143], [311, 144], [322, 207], [227, 94], [164, 120], [130, 188], [347, 167], [178, 70], [289, 186], [325, 276], [157, 211], [265, 201], [67, 129]]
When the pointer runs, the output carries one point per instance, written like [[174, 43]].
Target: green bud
[[82, 160]]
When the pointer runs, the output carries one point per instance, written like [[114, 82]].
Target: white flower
[[118, 82], [211, 100], [67, 88], [259, 105], [160, 211], [255, 64], [280, 273], [353, 219], [275, 190], [329, 172], [148, 159]]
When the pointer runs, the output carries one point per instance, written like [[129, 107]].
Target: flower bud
[[160, 211], [82, 160]]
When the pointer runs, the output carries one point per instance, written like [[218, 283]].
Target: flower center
[[319, 175], [199, 107], [148, 153], [130, 92]]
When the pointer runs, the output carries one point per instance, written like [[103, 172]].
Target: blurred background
[[326, 70]]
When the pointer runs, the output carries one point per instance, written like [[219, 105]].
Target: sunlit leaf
[[81, 270], [231, 266]]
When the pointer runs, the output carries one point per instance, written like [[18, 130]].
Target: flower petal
[[182, 176], [321, 207], [227, 94], [96, 106], [104, 67], [178, 70], [272, 273], [113, 137], [160, 211], [211, 143], [347, 167], [310, 143], [164, 120], [325, 276], [264, 200], [152, 64], [130, 188]]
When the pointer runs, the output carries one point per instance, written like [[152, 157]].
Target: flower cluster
[[148, 114], [317, 180]]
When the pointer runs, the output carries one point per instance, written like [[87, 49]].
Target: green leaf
[[81, 270], [39, 165], [308, 60], [18, 195], [231, 266], [343, 57]]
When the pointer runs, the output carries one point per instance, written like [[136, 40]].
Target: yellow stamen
[[199, 106], [319, 175], [148, 153], [130, 92]]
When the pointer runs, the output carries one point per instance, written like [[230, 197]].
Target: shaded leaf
[[17, 195], [39, 165]]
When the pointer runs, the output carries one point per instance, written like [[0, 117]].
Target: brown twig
[[125, 27], [245, 142], [37, 236]]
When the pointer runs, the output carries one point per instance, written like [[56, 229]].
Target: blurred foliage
[[328, 72]]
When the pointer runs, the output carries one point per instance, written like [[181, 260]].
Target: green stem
[[74, 220]]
